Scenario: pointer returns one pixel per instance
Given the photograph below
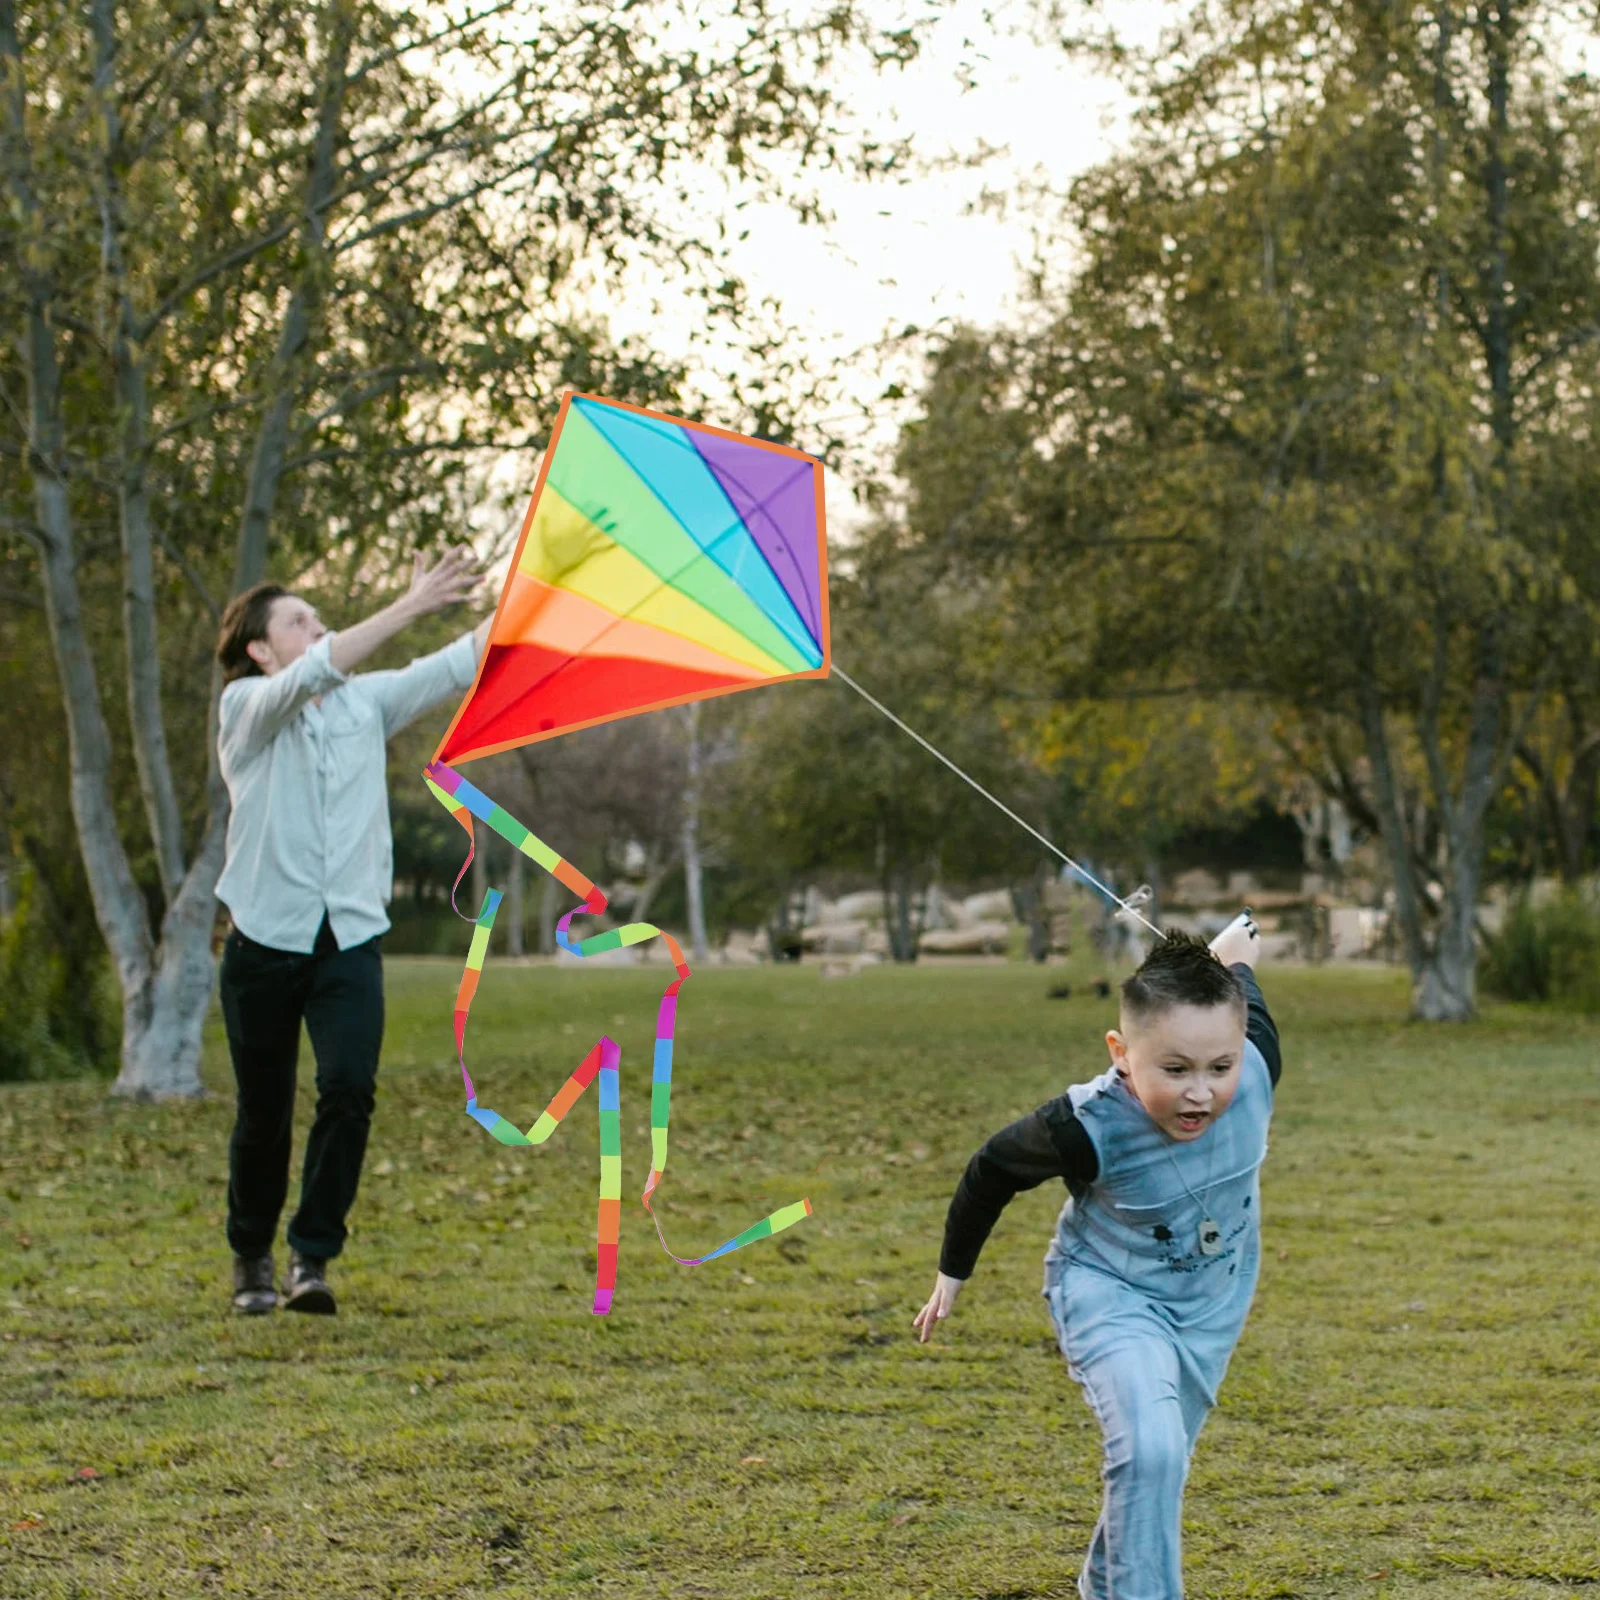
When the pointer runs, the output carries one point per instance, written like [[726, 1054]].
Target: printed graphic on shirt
[[1178, 1256]]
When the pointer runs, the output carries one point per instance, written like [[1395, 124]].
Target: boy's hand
[[940, 1304], [1239, 941]]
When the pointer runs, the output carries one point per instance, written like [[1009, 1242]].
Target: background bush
[[58, 1001], [1548, 952]]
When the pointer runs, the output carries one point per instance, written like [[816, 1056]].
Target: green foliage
[[58, 1009], [1311, 418], [1548, 952], [822, 781], [289, 290], [1413, 1396]]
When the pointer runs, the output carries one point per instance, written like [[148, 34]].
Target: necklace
[[1210, 1233]]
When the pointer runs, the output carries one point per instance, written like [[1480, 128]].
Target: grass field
[[1412, 1412]]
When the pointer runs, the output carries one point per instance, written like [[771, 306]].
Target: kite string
[[1082, 872]]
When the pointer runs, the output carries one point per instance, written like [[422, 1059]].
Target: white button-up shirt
[[309, 829]]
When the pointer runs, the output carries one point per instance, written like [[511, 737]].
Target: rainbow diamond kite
[[660, 562]]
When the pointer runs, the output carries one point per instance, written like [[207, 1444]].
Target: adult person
[[307, 876]]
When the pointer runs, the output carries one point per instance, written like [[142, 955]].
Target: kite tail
[[660, 1109], [601, 1061], [464, 802]]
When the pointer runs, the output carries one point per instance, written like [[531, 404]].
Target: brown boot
[[253, 1294], [306, 1289]]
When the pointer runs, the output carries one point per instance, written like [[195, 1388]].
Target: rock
[[993, 905], [745, 949], [983, 939], [864, 905], [1195, 888], [1354, 931], [835, 938]]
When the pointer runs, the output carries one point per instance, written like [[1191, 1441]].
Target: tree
[[1295, 428], [823, 780], [275, 279]]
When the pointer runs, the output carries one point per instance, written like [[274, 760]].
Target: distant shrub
[[58, 1009], [434, 929], [1548, 952]]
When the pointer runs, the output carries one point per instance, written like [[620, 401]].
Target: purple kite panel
[[776, 495]]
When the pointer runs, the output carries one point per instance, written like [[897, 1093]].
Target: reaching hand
[[940, 1304], [454, 578], [1239, 941]]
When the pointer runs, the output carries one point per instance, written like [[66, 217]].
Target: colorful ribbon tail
[[464, 802], [776, 1222]]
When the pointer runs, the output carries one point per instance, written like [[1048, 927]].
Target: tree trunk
[[118, 906], [272, 437], [514, 940], [162, 1061], [1038, 914], [478, 878], [547, 916], [692, 881], [140, 639], [1569, 809], [1445, 988], [166, 988], [656, 874], [1578, 815], [897, 919]]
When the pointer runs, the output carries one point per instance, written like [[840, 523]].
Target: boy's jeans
[[1150, 1410]]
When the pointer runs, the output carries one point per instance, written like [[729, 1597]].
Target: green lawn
[[1412, 1411]]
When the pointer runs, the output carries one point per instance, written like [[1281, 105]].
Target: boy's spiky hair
[[1180, 971]]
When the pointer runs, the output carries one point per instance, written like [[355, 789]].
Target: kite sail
[[660, 562]]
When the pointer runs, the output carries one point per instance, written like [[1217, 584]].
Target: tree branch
[[272, 437], [26, 527], [1569, 341], [405, 452], [118, 904], [383, 58], [226, 262], [1428, 730], [178, 50], [382, 380], [189, 570], [450, 202]]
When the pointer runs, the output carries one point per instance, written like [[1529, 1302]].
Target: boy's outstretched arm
[[1047, 1143], [1238, 947]]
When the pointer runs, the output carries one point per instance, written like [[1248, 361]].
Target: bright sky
[[912, 251]]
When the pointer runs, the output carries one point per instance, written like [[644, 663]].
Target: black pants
[[265, 996]]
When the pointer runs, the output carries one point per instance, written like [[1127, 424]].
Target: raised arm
[[405, 694], [1047, 1143], [1238, 947], [453, 579], [1260, 1029]]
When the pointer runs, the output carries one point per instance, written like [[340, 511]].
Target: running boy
[[1151, 1271]]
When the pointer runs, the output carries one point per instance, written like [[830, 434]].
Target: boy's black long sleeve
[[1259, 1027], [1047, 1143], [1051, 1143]]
